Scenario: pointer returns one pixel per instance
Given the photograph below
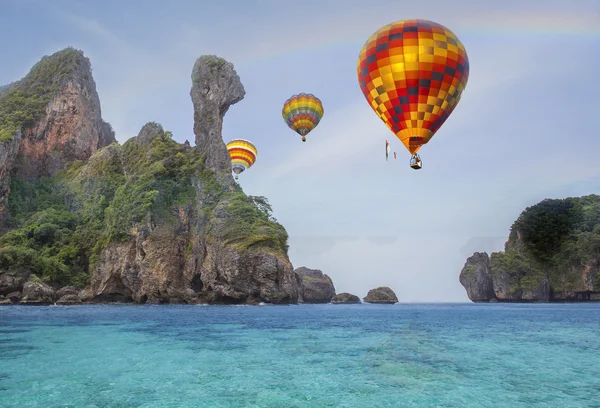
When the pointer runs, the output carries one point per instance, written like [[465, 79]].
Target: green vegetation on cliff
[[556, 239], [23, 102], [57, 227]]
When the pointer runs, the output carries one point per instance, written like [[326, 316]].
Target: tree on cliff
[[553, 253]]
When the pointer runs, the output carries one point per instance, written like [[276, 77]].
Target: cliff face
[[50, 118], [152, 221], [215, 87], [552, 254]]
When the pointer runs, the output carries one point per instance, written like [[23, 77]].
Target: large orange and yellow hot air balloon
[[302, 113], [413, 73], [243, 155]]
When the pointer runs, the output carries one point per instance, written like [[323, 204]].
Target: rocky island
[[552, 255], [85, 219], [382, 294]]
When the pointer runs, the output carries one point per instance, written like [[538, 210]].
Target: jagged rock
[[215, 87], [382, 294], [37, 292], [14, 297], [149, 132], [476, 277], [69, 128], [67, 290], [4, 301], [69, 300], [314, 286], [345, 298], [13, 280]]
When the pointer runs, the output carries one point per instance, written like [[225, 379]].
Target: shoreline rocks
[[345, 298], [382, 295], [314, 286]]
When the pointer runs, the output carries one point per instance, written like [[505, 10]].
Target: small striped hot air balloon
[[302, 113], [243, 155]]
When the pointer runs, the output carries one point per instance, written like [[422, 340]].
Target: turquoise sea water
[[405, 355]]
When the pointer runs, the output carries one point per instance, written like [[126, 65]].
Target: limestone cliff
[[151, 221], [48, 119], [552, 254]]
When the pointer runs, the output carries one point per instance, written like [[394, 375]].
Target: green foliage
[[24, 102], [558, 238], [214, 63], [545, 226], [57, 227], [249, 225], [469, 270]]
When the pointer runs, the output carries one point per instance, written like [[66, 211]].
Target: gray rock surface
[[13, 280], [382, 294], [215, 87], [314, 286], [37, 292], [67, 290], [69, 300], [14, 297], [149, 132], [477, 279], [345, 298]]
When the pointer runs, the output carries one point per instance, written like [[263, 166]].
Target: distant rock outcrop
[[345, 297], [382, 294], [477, 279], [215, 87], [552, 254], [314, 286]]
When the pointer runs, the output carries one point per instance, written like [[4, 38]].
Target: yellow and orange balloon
[[413, 73], [243, 155]]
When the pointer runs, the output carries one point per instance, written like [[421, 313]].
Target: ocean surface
[[405, 355]]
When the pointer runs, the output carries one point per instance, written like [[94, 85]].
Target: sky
[[524, 130]]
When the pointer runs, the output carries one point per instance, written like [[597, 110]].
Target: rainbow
[[497, 25]]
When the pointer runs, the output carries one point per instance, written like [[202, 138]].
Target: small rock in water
[[345, 298], [382, 294]]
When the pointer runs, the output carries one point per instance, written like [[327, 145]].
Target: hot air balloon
[[243, 155], [413, 73], [302, 113]]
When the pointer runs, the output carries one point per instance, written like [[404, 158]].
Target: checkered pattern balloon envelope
[[302, 113], [243, 155], [413, 73]]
